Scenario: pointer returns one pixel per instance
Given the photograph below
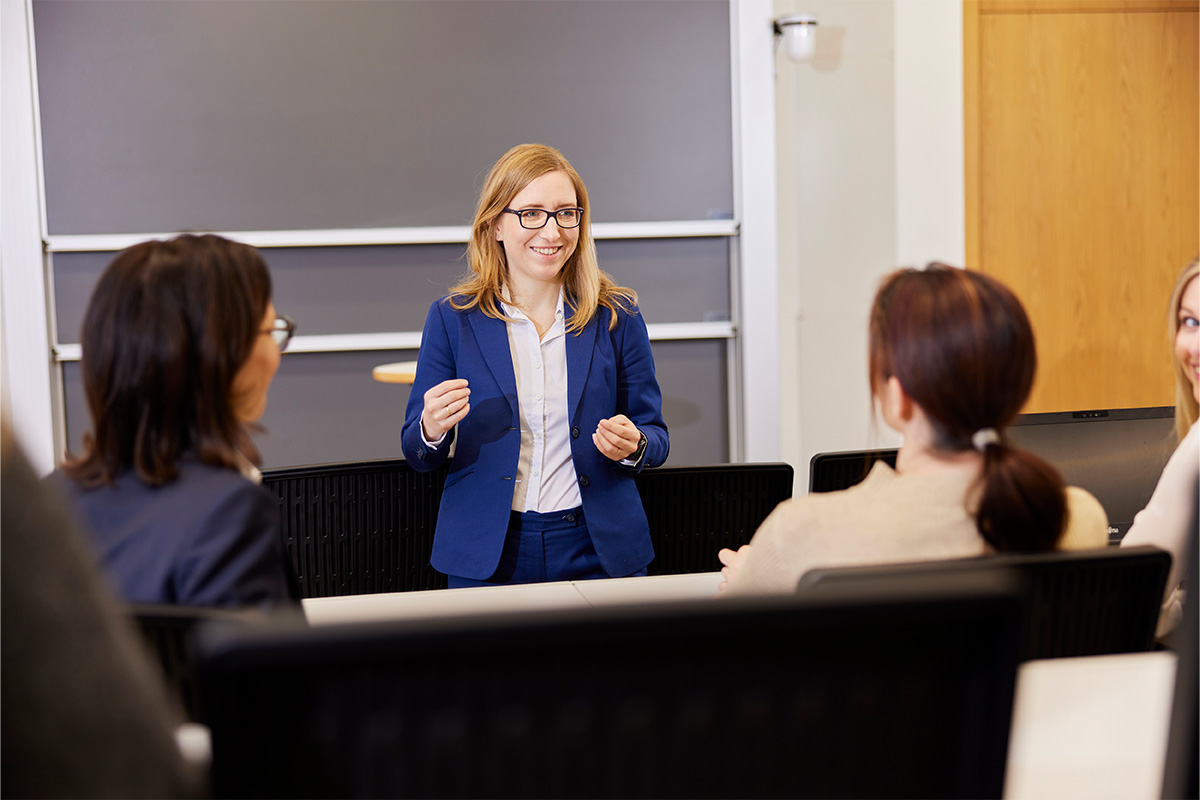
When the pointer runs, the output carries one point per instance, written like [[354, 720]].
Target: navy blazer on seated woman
[[608, 372], [211, 537], [180, 344]]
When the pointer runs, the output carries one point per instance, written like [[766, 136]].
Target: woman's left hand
[[617, 437]]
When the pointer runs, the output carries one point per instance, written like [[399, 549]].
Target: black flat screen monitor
[[1116, 454]]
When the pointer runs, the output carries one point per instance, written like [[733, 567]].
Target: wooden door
[[1082, 182]]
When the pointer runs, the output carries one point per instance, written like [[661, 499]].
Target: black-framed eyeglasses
[[282, 331], [534, 218]]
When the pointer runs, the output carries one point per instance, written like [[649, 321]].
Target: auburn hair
[[962, 347], [586, 287], [167, 328]]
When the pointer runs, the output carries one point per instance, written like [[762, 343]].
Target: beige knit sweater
[[887, 518]]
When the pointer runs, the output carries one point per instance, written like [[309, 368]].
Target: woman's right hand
[[731, 559], [445, 406]]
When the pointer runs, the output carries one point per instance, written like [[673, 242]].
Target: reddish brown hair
[[962, 347], [167, 328]]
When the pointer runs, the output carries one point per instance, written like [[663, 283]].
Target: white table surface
[[527, 597], [1091, 727]]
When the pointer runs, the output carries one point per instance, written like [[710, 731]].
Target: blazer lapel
[[579, 359], [492, 337]]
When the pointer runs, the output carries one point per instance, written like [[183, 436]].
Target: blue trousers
[[538, 548]]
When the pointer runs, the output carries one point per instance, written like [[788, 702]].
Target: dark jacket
[[608, 373], [209, 538]]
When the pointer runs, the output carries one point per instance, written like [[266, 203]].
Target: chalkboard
[[279, 115]]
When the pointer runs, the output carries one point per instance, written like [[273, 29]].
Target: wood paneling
[[1084, 6], [1082, 185]]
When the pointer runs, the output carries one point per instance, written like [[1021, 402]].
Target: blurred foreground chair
[[867, 694], [169, 633]]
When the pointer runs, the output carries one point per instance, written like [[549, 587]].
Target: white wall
[[26, 343], [930, 181], [755, 182], [870, 177]]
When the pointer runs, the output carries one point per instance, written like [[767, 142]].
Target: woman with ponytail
[[951, 364]]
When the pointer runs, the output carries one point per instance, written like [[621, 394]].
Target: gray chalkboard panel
[[326, 407], [311, 114], [377, 289]]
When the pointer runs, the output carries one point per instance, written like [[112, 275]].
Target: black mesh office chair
[[365, 527]]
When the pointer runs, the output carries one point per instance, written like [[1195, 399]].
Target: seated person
[[952, 361], [85, 713], [180, 343], [1166, 521]]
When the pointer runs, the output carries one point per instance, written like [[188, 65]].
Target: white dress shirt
[[546, 479]]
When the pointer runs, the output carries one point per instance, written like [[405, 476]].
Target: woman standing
[[180, 344], [537, 368], [951, 363], [1166, 521]]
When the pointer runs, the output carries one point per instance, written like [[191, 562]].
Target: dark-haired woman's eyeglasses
[[282, 332], [534, 218]]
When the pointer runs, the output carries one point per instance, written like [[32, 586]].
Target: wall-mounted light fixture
[[799, 35]]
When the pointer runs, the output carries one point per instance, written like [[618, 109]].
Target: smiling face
[[1187, 335], [538, 256]]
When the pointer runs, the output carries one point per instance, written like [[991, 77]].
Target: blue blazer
[[209, 538], [608, 373]]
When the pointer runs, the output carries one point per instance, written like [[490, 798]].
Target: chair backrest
[[366, 527], [169, 632], [360, 527], [1078, 603], [831, 472], [695, 511], [868, 695]]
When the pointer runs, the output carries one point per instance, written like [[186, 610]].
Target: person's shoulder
[[211, 482], [1087, 522], [456, 307], [1081, 501], [880, 478], [58, 481], [623, 309], [445, 305], [792, 515], [1191, 440]]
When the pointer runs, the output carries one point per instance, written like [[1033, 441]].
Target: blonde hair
[[587, 288], [1186, 409]]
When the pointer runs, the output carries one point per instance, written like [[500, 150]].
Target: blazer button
[[574, 433], [583, 480]]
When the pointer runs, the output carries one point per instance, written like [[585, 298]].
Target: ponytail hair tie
[[983, 437]]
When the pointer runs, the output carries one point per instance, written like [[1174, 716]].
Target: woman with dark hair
[[537, 368], [951, 364], [180, 344], [1167, 520]]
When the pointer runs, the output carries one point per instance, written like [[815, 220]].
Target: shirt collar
[[516, 313], [248, 470]]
